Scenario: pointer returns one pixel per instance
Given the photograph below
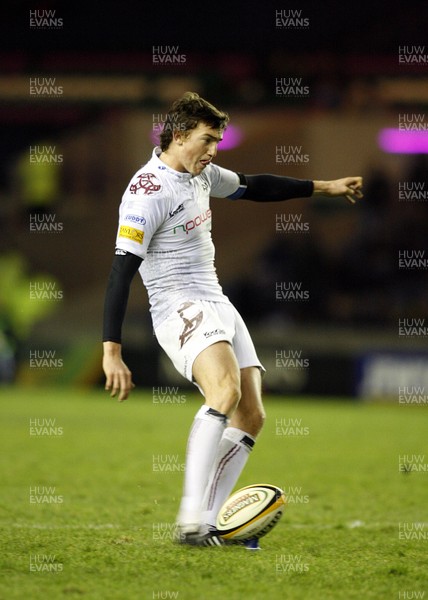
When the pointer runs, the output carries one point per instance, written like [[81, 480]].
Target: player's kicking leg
[[217, 373], [235, 445], [233, 449]]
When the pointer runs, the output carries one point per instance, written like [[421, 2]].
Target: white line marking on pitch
[[82, 526], [350, 525]]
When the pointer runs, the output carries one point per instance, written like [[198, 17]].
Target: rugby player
[[165, 233]]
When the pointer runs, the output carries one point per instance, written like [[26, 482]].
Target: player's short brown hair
[[185, 114]]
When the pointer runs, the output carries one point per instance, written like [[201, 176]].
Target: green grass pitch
[[88, 508]]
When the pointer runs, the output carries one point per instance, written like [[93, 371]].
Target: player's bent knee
[[234, 391], [257, 421], [227, 395], [250, 420]]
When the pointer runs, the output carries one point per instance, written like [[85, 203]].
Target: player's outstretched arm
[[266, 187], [350, 187], [118, 376]]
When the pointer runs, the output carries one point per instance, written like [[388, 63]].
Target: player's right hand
[[118, 376], [350, 187]]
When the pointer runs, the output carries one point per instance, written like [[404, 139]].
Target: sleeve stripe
[[239, 192]]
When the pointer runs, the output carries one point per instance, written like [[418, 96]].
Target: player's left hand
[[350, 187]]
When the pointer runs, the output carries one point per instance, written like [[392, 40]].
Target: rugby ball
[[251, 512]]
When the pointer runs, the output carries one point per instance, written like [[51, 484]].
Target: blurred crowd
[[365, 284]]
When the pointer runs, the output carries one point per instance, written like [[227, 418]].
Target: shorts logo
[[208, 334], [135, 235], [190, 324], [136, 219], [147, 182]]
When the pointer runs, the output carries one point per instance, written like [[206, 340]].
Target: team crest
[[147, 183]]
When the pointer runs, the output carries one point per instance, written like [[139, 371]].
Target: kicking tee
[[165, 218]]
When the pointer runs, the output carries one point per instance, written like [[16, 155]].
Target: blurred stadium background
[[87, 94]]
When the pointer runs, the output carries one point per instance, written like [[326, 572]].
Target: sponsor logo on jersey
[[130, 233], [120, 252], [177, 210], [193, 223], [136, 219], [147, 183]]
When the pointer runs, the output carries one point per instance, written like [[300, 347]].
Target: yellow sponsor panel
[[136, 235]]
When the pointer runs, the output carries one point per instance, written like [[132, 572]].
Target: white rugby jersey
[[165, 218]]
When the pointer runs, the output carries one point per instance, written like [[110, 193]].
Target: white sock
[[233, 452], [204, 438]]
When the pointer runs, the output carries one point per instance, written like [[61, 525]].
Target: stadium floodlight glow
[[396, 141], [232, 137]]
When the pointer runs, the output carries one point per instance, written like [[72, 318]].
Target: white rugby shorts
[[195, 325]]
